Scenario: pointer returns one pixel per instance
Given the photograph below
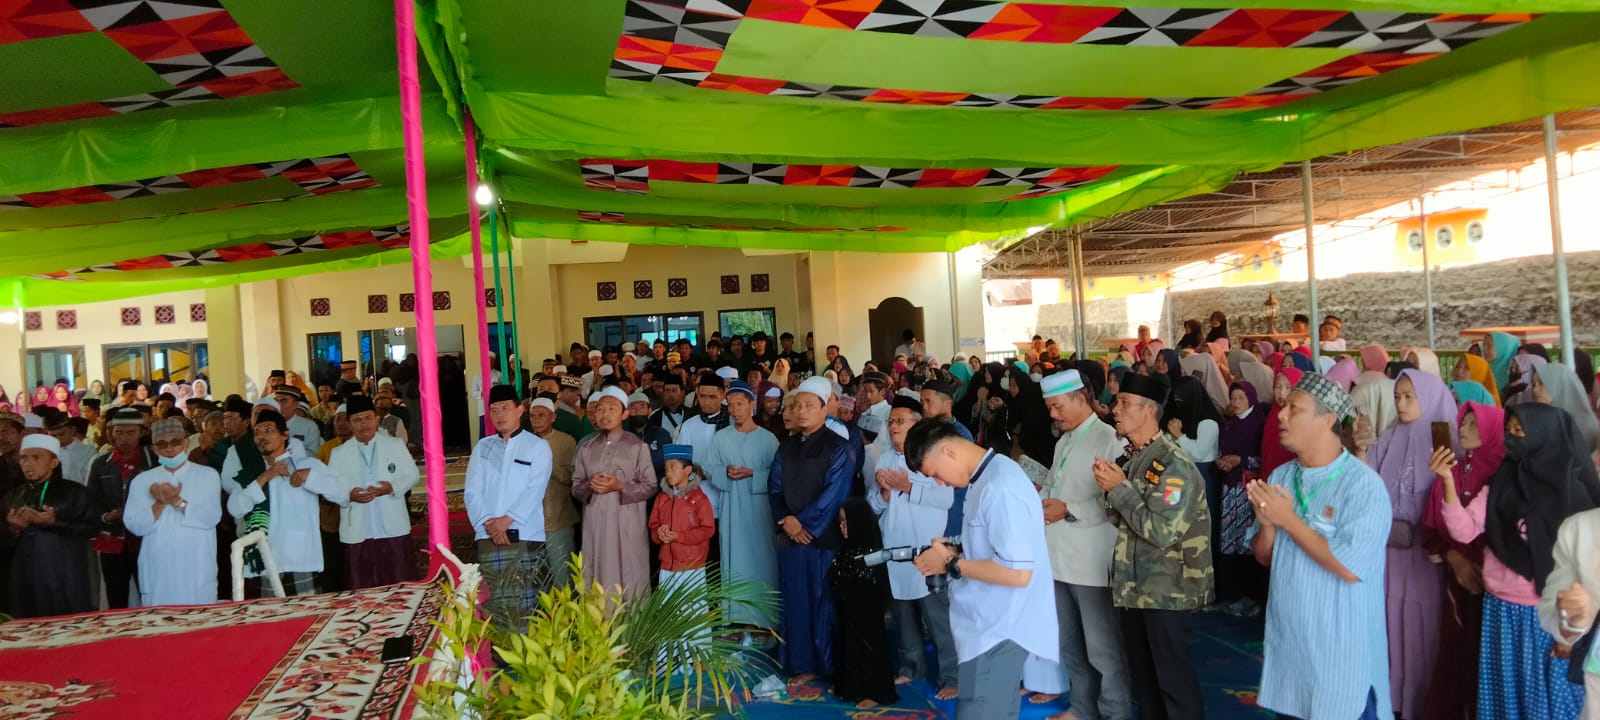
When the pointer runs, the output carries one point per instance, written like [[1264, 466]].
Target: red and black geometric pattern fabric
[[682, 41], [635, 176], [196, 45], [616, 218], [389, 237], [316, 176]]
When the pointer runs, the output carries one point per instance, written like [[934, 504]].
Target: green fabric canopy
[[157, 145]]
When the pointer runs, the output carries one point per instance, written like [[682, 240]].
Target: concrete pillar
[[225, 334], [13, 353], [263, 341], [967, 305]]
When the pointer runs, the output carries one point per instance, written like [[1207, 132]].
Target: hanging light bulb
[[484, 195]]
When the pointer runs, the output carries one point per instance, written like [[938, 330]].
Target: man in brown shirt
[[560, 514]]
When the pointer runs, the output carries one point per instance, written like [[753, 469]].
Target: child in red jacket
[[681, 519], [682, 522]]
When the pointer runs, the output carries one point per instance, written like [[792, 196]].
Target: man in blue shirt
[[1002, 605], [1324, 523]]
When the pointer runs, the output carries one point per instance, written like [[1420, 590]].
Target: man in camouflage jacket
[[1161, 569]]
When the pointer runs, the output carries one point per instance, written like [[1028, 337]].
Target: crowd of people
[[1420, 541]]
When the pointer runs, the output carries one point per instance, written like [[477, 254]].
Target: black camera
[[908, 553]]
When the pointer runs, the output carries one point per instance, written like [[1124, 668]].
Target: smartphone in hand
[[1441, 436]]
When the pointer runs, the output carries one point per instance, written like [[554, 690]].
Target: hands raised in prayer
[[1107, 475], [899, 479], [1272, 503]]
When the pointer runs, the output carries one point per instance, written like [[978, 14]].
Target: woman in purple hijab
[[1413, 583]]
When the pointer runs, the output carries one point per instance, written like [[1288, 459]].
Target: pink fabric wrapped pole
[[422, 279], [477, 253]]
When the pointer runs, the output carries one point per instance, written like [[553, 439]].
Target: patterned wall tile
[[604, 291], [377, 304], [760, 283], [441, 299], [66, 319], [166, 315], [320, 307], [730, 284], [131, 316], [408, 302], [197, 312], [677, 287], [643, 289], [32, 320], [489, 297]]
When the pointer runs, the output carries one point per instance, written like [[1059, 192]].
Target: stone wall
[[1390, 308]]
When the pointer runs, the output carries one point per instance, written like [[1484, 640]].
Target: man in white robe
[[283, 498], [506, 481], [912, 510], [175, 508]]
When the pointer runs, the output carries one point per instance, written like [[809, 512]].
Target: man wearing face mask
[[697, 433], [657, 437], [174, 508]]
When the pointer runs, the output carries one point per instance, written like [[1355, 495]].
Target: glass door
[[326, 351], [47, 365], [126, 362]]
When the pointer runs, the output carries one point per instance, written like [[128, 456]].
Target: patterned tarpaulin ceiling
[[156, 144]]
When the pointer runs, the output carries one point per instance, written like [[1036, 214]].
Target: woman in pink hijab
[[62, 398], [1344, 372], [1374, 361]]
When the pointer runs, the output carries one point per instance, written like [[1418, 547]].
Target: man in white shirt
[[591, 379], [910, 347], [506, 480], [75, 454], [304, 429], [374, 525], [1081, 540], [698, 430], [1328, 335], [912, 509], [1000, 595], [175, 508], [282, 500]]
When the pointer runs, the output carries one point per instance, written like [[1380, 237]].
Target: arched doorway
[[886, 322]]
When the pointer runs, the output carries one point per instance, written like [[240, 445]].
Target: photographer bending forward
[[1002, 606]]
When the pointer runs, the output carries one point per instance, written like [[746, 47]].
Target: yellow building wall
[[1124, 285], [1456, 224], [1261, 265]]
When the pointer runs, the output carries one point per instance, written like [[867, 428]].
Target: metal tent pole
[[1172, 330], [1563, 294], [1081, 309], [1311, 261], [1427, 265]]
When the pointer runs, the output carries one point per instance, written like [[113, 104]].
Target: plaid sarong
[[514, 574]]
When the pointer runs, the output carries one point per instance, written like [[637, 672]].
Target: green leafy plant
[[588, 654]]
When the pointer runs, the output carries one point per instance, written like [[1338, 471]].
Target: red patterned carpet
[[311, 657]]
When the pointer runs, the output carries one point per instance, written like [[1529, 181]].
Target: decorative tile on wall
[[760, 283], [131, 316], [677, 287], [604, 291], [34, 321], [408, 302], [377, 304], [441, 299], [166, 315], [66, 319], [489, 297], [320, 307], [197, 312], [730, 284], [643, 289]]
